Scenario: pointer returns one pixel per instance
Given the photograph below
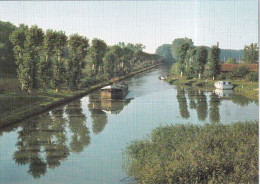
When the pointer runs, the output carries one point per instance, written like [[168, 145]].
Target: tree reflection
[[240, 100], [192, 94], [214, 114], [77, 125], [202, 105], [99, 118], [43, 143], [184, 112]]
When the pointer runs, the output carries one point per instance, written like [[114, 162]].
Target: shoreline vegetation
[[53, 99], [201, 66], [45, 68], [212, 153], [247, 89]]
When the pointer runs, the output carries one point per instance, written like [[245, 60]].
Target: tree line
[[248, 55], [195, 61], [50, 59], [192, 61]]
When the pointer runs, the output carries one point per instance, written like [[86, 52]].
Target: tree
[[126, 59], [45, 65], [97, 52], [190, 62], [31, 57], [250, 53], [109, 62], [165, 51], [181, 54], [213, 62], [176, 44], [58, 64], [18, 38], [78, 46], [231, 60], [201, 59], [7, 59]]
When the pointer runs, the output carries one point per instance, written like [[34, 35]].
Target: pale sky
[[232, 23]]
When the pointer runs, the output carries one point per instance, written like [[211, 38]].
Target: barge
[[115, 91]]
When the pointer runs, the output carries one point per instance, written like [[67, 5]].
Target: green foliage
[[78, 50], [240, 71], [176, 44], [214, 62], [252, 77], [196, 154], [97, 52], [46, 64], [201, 59], [231, 60], [181, 55], [7, 59], [251, 53], [165, 51], [31, 58]]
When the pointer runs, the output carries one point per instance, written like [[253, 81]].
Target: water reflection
[[43, 143], [184, 111], [99, 109], [202, 105], [214, 102]]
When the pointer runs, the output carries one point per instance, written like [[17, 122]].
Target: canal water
[[83, 141]]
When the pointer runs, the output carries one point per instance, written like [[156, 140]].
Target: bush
[[240, 71], [252, 77], [196, 154]]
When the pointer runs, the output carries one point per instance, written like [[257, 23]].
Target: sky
[[232, 23]]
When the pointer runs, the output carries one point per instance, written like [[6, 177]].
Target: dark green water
[[82, 142]]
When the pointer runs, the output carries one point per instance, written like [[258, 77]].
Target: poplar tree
[[97, 52], [109, 62], [181, 54], [45, 65], [32, 48], [78, 48], [58, 64], [251, 53], [201, 60], [213, 62], [18, 38]]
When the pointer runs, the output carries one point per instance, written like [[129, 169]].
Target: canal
[[83, 141]]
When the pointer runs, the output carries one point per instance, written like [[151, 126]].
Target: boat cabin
[[114, 91], [223, 85]]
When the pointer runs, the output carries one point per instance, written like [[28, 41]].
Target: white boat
[[223, 85], [163, 78]]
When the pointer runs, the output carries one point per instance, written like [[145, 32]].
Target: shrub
[[196, 154], [252, 77], [240, 71]]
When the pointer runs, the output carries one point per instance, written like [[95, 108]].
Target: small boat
[[162, 78], [115, 91], [223, 85]]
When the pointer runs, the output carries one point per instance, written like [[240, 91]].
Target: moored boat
[[223, 85], [115, 91]]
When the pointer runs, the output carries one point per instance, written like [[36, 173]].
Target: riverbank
[[16, 106], [247, 89]]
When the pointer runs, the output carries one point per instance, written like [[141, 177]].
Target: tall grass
[[196, 154]]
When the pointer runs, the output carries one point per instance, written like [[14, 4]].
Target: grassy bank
[[242, 87], [247, 89], [196, 154], [16, 106]]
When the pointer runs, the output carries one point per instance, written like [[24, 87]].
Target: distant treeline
[[201, 61], [50, 59], [169, 51]]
